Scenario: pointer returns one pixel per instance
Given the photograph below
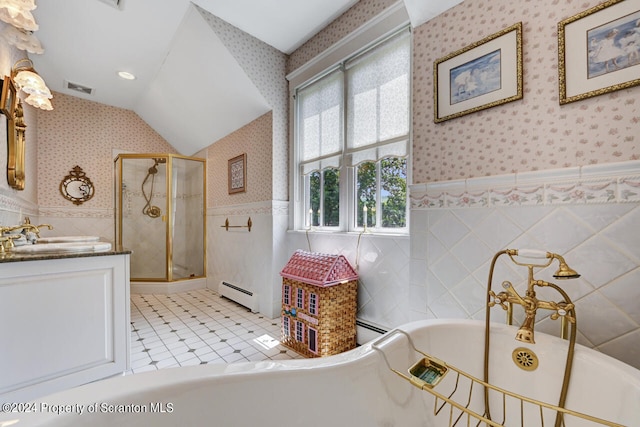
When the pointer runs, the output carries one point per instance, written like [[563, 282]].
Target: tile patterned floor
[[199, 327]]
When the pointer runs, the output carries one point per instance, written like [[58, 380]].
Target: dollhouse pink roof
[[318, 269]]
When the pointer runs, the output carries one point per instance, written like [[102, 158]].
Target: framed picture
[[238, 174], [8, 97], [482, 75], [599, 50]]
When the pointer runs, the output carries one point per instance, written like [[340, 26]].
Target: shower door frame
[[168, 218]]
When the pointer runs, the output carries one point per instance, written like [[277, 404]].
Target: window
[[286, 328], [313, 340], [299, 331], [313, 304], [300, 299], [352, 141], [286, 295]]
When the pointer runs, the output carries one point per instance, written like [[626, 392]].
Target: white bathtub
[[352, 389]]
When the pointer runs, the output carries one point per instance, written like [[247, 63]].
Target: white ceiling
[[187, 87]]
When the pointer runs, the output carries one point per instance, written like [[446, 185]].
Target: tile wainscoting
[[249, 259], [13, 210], [590, 215]]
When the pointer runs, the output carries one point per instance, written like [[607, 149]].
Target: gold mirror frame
[[16, 128], [76, 186]]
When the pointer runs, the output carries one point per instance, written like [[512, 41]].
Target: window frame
[[299, 331], [348, 177], [313, 305], [300, 298]]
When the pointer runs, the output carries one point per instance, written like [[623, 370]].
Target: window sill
[[349, 233]]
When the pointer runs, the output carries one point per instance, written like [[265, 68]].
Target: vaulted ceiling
[[188, 87]]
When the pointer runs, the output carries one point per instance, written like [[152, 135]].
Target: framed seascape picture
[[238, 174], [482, 75], [599, 50]]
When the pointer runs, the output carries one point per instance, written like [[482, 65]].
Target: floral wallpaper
[[356, 16], [531, 134], [255, 140], [85, 133], [535, 133]]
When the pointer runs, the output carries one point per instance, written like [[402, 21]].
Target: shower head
[[564, 271], [156, 161]]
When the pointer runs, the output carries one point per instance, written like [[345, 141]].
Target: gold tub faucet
[[562, 309]]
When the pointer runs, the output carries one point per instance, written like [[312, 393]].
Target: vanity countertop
[[17, 257]]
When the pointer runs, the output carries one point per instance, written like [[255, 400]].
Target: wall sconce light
[[18, 13], [26, 78], [21, 39]]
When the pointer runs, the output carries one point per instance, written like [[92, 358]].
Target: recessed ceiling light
[[125, 75]]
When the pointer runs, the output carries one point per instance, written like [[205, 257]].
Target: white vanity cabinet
[[63, 322]]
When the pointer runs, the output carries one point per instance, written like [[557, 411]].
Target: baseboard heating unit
[[239, 295], [367, 331]]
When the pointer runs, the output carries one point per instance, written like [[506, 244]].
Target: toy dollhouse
[[319, 303]]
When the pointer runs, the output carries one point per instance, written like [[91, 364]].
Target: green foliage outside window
[[393, 189], [331, 197]]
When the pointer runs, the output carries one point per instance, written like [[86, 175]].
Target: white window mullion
[[346, 180], [321, 208], [378, 194]]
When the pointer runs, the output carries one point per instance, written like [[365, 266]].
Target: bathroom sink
[[63, 247], [65, 239]]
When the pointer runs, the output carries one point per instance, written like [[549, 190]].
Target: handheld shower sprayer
[[149, 209], [529, 301], [564, 309]]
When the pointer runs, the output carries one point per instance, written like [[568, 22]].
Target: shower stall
[[160, 216]]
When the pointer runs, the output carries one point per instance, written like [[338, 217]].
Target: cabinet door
[[64, 323]]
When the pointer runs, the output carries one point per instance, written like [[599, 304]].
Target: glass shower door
[[160, 215], [144, 216], [187, 225]]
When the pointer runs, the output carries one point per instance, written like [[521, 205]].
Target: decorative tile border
[[14, 209], [615, 183], [76, 212]]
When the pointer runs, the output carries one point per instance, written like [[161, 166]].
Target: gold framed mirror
[[8, 97], [76, 187], [16, 128]]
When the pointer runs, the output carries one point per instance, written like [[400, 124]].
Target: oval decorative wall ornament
[[76, 187]]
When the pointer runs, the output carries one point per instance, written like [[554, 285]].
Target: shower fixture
[[171, 248], [530, 302], [149, 209], [564, 309]]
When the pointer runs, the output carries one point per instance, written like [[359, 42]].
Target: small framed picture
[[238, 174], [599, 50], [8, 97], [482, 75]]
